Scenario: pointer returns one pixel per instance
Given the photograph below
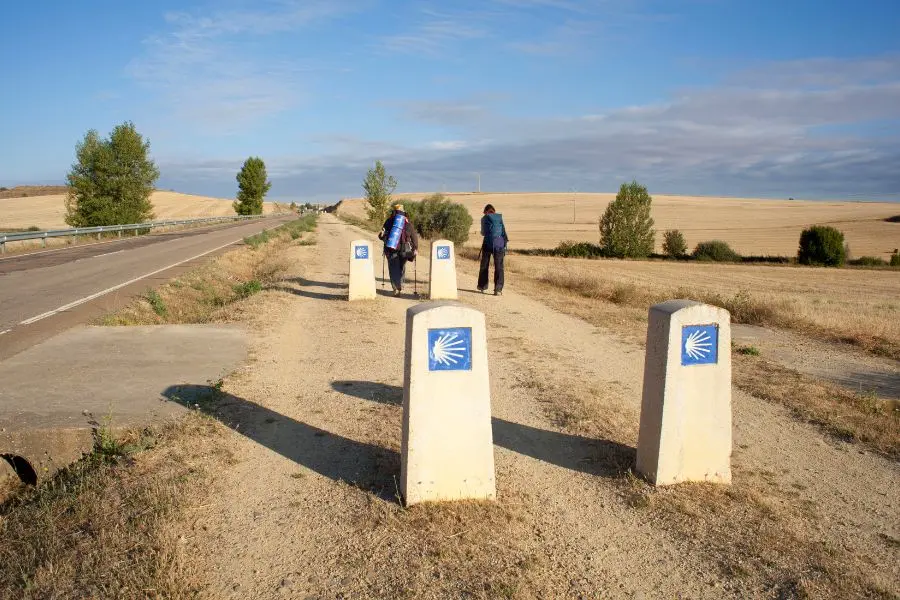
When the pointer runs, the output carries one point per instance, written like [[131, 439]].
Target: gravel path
[[305, 509]]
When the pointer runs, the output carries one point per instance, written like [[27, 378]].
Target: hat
[[398, 206]]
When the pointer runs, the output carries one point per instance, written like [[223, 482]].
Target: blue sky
[[728, 97]]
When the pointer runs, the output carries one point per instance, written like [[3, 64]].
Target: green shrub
[[869, 261], [674, 245], [822, 245], [578, 250], [33, 228], [716, 251], [436, 217], [895, 259], [247, 289], [894, 219], [157, 303], [626, 228], [747, 350]]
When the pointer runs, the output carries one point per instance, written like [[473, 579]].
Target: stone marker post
[[447, 450], [685, 430], [362, 271], [442, 284]]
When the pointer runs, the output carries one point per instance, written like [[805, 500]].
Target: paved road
[[43, 294]]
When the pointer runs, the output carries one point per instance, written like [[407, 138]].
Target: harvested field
[[750, 226], [852, 305], [48, 212]]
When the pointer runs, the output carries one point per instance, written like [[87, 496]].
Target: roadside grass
[[847, 415], [209, 292], [356, 221], [106, 525], [622, 308]]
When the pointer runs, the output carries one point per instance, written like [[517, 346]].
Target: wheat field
[[48, 212], [751, 226]]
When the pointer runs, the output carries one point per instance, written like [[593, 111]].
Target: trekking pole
[[416, 278], [382, 271]]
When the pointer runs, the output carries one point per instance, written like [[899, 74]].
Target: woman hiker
[[494, 244], [401, 244]]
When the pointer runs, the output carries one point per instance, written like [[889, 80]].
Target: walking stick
[[416, 277], [382, 271]]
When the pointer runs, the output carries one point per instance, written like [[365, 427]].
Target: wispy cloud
[[436, 33], [195, 66]]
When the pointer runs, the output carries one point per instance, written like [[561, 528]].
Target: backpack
[[495, 231], [406, 249]]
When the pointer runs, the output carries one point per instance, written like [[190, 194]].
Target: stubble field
[[751, 226], [48, 212]]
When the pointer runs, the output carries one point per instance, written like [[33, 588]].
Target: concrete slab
[[51, 393]]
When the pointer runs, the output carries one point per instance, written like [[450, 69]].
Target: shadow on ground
[[365, 466], [578, 453]]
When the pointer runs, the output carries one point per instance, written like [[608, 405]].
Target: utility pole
[[574, 197]]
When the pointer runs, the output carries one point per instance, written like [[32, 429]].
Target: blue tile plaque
[[699, 345], [443, 252], [361, 252], [450, 349]]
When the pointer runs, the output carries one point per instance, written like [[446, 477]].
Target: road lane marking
[[70, 305], [109, 253]]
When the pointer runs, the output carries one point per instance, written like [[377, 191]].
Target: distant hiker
[[494, 244], [401, 244]]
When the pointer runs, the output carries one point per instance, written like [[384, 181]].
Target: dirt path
[[309, 510], [842, 364]]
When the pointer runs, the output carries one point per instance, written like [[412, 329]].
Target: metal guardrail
[[99, 231]]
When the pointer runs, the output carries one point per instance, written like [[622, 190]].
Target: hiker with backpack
[[401, 244], [494, 244]]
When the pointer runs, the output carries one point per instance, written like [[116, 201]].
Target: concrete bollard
[[362, 271], [685, 429], [442, 283], [447, 450]]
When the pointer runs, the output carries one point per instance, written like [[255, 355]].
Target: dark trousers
[[396, 268], [486, 253]]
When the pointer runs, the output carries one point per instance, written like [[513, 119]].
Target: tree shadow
[[594, 456], [366, 466]]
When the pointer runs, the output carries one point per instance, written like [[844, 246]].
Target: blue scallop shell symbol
[[443, 252], [361, 252], [450, 349], [699, 345]]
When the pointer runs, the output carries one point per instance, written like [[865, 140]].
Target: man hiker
[[401, 244], [494, 244]]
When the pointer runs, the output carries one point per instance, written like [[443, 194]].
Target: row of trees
[[113, 179]]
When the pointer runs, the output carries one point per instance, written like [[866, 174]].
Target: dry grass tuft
[[848, 415], [103, 526]]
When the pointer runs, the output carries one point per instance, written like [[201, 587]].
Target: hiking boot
[[482, 290], [396, 293], [498, 292]]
